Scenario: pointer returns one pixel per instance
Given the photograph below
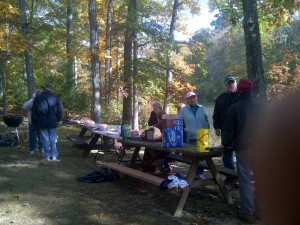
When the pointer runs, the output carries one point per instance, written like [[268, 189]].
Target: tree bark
[[108, 64], [135, 73], [2, 82], [28, 54], [118, 72], [71, 82], [169, 49], [127, 99], [95, 64], [254, 61]]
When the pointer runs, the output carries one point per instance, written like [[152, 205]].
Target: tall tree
[[108, 60], [127, 99], [118, 66], [169, 48], [95, 64], [70, 64], [135, 70], [28, 53], [255, 69]]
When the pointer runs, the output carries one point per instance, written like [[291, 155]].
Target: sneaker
[[167, 167], [31, 153], [201, 176], [248, 218]]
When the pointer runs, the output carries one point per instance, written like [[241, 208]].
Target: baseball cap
[[230, 78], [189, 94]]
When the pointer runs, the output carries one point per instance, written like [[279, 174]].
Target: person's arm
[[28, 105], [217, 117], [59, 110], [206, 119], [229, 129]]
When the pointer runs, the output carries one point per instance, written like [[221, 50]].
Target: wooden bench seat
[[221, 169], [75, 139], [135, 173]]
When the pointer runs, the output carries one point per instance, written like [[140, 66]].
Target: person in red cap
[[237, 130]]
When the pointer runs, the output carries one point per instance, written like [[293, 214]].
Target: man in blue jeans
[[46, 113], [223, 102]]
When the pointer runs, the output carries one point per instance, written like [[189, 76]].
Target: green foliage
[[111, 114], [16, 93]]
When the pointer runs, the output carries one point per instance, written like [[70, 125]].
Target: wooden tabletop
[[186, 149]]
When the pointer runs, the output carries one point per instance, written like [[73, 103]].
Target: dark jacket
[[153, 119], [223, 102], [46, 111], [241, 119]]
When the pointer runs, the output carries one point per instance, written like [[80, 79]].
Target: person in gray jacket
[[194, 117], [33, 131]]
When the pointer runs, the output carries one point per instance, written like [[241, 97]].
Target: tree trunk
[[108, 64], [70, 56], [127, 99], [118, 72], [169, 49], [2, 82], [28, 54], [95, 65], [255, 68], [135, 73]]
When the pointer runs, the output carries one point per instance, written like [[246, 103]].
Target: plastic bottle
[[126, 132]]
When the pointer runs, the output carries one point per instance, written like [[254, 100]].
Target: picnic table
[[100, 140], [186, 152]]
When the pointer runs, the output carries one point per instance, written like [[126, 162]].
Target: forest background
[[110, 59]]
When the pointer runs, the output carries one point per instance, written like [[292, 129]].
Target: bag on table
[[151, 134]]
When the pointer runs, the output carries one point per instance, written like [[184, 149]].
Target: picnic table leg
[[219, 181], [134, 155], [94, 139], [83, 132], [185, 193]]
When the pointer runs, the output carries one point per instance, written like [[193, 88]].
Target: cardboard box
[[172, 138], [170, 120]]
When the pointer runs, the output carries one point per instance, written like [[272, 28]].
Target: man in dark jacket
[[223, 102], [237, 130], [46, 114]]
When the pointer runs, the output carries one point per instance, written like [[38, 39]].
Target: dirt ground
[[35, 192]]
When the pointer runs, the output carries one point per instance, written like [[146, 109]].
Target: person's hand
[[218, 132]]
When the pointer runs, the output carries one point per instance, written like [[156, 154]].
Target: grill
[[13, 122]]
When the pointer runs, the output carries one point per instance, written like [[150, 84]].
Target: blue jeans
[[228, 160], [34, 138], [243, 159], [48, 139]]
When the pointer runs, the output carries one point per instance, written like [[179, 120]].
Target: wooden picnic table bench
[[221, 169], [135, 173]]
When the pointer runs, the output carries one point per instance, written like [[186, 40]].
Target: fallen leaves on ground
[[18, 197]]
